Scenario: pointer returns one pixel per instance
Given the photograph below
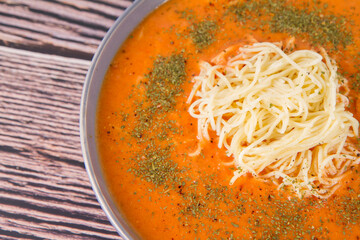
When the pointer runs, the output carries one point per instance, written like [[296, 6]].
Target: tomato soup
[[147, 140]]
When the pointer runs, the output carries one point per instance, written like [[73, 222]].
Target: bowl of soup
[[227, 120]]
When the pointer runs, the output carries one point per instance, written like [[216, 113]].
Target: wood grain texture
[[45, 192], [45, 46], [62, 27]]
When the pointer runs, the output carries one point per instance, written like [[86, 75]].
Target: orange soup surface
[[146, 137]]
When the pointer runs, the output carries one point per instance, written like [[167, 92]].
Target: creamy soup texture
[[170, 184]]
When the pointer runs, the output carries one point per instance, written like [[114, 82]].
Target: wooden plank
[[45, 192], [61, 27]]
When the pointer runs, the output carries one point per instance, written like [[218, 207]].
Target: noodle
[[280, 116]]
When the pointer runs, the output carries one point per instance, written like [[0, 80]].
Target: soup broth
[[147, 140]]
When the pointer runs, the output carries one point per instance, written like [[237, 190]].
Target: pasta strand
[[280, 116]]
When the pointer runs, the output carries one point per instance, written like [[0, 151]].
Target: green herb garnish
[[153, 163], [283, 17], [162, 88], [203, 33]]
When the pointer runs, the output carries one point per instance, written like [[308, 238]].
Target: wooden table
[[45, 51]]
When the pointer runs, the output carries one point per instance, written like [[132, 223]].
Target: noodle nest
[[280, 116]]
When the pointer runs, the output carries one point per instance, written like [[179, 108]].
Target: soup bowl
[[109, 46]]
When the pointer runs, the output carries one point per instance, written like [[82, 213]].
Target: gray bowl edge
[[104, 55]]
